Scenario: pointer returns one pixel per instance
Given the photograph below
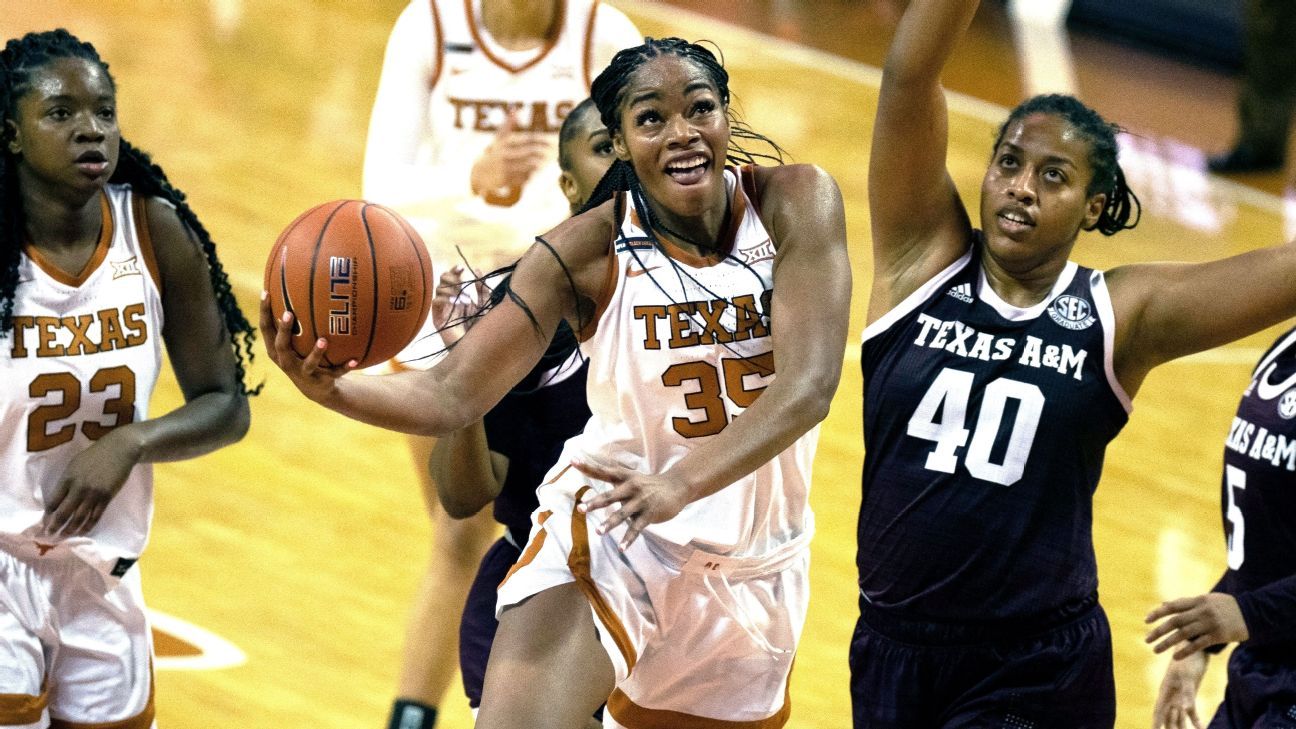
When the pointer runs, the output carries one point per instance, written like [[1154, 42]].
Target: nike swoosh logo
[[1267, 390], [641, 271]]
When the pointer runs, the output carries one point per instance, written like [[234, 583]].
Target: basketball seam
[[310, 291], [425, 307], [373, 260]]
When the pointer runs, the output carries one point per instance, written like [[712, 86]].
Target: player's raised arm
[[919, 223]]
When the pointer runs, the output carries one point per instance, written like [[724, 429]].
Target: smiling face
[[64, 133], [1034, 199], [675, 132]]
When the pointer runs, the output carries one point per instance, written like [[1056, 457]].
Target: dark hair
[[567, 132], [608, 93], [19, 59], [1108, 178]]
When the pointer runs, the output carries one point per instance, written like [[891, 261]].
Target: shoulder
[[175, 246], [415, 29], [796, 194], [795, 180], [612, 23], [589, 234]]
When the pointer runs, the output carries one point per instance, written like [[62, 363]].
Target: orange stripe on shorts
[[579, 563]]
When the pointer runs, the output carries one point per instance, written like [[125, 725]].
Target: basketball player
[[101, 262], [996, 372], [1254, 603], [503, 457], [668, 559], [462, 142]]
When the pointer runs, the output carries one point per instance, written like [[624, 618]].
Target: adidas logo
[[962, 292]]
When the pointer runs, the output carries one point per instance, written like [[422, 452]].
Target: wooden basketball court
[[302, 545]]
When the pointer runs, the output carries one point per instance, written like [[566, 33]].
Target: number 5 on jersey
[[948, 398], [713, 388]]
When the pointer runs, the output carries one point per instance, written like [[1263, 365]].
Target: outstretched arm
[[215, 412], [919, 224], [802, 209], [1168, 310], [501, 348]]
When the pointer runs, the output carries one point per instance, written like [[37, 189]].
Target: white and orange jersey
[[81, 359], [443, 69], [679, 347]]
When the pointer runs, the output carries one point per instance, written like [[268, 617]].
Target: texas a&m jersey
[[985, 426]]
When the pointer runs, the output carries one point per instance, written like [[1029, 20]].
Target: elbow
[[458, 509], [811, 403], [238, 418]]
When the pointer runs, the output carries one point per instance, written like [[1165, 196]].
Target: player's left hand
[[1197, 622], [89, 483], [644, 499]]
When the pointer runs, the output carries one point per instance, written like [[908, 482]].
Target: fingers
[[74, 515], [1200, 643], [1171, 607], [268, 328], [610, 474]]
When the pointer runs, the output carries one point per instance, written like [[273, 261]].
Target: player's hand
[[90, 481], [1176, 704], [506, 165], [643, 499], [455, 304], [1197, 622], [316, 379]]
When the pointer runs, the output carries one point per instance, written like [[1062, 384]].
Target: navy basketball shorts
[[1057, 675], [1261, 692], [478, 625]]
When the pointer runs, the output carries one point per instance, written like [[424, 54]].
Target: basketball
[[354, 273]]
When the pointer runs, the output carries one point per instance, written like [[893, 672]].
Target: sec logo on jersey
[[1072, 312]]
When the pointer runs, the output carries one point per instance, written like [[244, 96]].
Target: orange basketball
[[354, 273]]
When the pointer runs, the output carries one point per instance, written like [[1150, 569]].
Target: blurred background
[[283, 568]]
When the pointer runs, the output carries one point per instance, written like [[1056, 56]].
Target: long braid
[[608, 94], [19, 59], [146, 178]]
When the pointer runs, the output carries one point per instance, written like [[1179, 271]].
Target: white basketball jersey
[[81, 359], [476, 85], [681, 347]]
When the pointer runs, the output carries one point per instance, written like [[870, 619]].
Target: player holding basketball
[[996, 372], [671, 563], [1254, 603], [462, 142], [101, 261], [503, 457]]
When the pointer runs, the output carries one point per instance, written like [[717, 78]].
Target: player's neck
[[520, 25], [57, 222]]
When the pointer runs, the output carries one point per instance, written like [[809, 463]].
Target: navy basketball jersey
[[985, 426], [531, 424], [1259, 482]]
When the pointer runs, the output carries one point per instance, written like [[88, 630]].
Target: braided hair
[[608, 92], [19, 59], [1108, 178]]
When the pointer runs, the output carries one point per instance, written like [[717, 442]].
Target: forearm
[[413, 402], [773, 423], [925, 39], [201, 425], [462, 470]]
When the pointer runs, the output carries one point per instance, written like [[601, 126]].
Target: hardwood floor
[[303, 544]]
